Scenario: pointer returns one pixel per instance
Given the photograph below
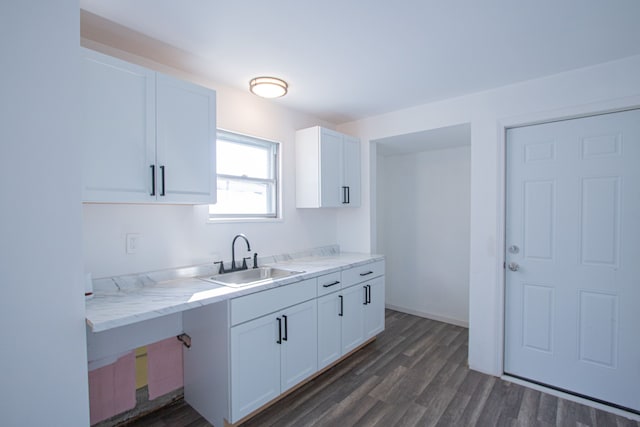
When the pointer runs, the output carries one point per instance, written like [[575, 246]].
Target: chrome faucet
[[233, 253]]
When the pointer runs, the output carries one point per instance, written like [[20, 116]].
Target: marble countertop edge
[[125, 300]]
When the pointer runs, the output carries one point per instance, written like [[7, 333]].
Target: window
[[247, 172]]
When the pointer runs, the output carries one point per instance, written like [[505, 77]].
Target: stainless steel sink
[[252, 276]]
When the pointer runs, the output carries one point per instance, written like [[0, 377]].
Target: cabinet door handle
[[284, 338], [368, 294], [279, 331], [341, 306], [348, 194], [162, 177], [328, 285], [344, 195], [153, 180], [366, 299], [367, 273]]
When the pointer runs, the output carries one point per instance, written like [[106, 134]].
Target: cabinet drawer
[[255, 305], [361, 273], [329, 283]]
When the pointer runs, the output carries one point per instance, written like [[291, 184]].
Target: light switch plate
[[132, 242]]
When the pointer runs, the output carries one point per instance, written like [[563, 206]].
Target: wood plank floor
[[414, 374]]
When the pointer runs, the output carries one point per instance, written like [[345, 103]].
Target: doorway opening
[[422, 221]]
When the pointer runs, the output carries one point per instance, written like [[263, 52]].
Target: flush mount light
[[268, 87]]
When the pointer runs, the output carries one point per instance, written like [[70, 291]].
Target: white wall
[[43, 350], [174, 236], [424, 221], [611, 85]]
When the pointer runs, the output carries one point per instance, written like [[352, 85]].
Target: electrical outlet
[[132, 242]]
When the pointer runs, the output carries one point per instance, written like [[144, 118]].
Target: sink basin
[[252, 276]]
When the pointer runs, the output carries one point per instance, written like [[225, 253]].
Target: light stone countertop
[[124, 300]]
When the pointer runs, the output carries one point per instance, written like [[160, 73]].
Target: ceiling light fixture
[[268, 87]]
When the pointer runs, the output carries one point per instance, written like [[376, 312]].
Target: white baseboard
[[457, 322]]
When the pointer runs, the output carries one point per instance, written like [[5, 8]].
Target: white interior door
[[573, 258]]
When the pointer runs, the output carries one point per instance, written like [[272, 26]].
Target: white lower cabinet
[[249, 350], [340, 324], [271, 354], [299, 348], [255, 365], [374, 309], [350, 316], [329, 329]]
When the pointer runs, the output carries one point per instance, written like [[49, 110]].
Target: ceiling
[[346, 60], [432, 139]]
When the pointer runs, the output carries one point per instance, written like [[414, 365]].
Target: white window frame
[[274, 146]]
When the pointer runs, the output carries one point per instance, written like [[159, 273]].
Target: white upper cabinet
[[351, 170], [146, 137], [118, 127], [185, 141], [327, 169], [331, 165]]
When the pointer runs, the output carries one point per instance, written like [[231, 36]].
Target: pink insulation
[[112, 388], [164, 367]]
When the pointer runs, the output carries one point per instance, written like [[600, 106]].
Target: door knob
[[513, 266]]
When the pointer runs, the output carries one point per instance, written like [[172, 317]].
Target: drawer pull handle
[[153, 180], [162, 174], [279, 331], [286, 332], [328, 285], [367, 273]]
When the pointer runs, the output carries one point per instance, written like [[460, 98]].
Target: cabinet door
[[255, 365], [329, 329], [117, 128], [299, 350], [352, 317], [331, 154], [186, 138], [351, 166], [374, 310]]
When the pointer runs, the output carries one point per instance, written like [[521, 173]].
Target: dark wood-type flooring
[[414, 374]]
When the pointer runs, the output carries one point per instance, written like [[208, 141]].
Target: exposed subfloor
[[414, 374]]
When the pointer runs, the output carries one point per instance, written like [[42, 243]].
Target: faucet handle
[[221, 269], [255, 260], [244, 262]]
